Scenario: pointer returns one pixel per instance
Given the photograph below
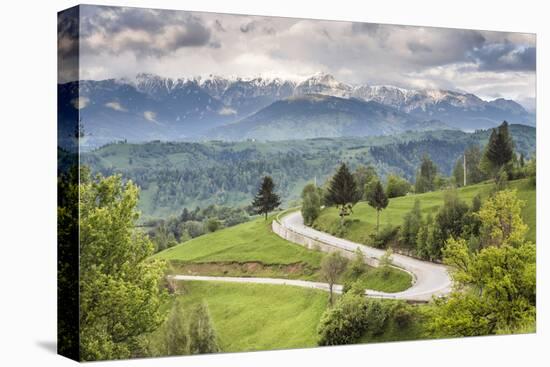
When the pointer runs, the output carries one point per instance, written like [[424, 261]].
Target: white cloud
[[150, 116], [226, 111], [115, 106]]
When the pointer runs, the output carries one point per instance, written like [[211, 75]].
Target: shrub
[[386, 236], [351, 317]]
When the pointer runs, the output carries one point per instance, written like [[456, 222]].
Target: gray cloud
[[505, 57], [140, 31], [121, 42]]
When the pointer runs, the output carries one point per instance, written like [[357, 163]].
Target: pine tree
[[425, 179], [203, 337], [499, 150], [266, 199], [379, 201], [343, 192]]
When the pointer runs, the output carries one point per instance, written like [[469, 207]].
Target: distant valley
[[177, 175]]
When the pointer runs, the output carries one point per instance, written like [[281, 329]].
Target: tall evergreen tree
[[203, 337], [379, 201], [342, 192], [425, 179], [266, 199], [499, 150]]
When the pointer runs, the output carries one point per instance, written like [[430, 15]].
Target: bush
[[385, 237], [397, 186], [351, 317], [403, 315], [345, 322]]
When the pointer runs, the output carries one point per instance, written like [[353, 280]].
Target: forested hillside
[[177, 175]]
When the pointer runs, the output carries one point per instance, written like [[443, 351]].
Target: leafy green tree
[[379, 201], [213, 224], [351, 317], [426, 177], [357, 265], [499, 150], [449, 221], [342, 192], [332, 266], [311, 203], [120, 287], [397, 186], [411, 226], [345, 322], [364, 177], [385, 262], [496, 290], [428, 240], [501, 221], [266, 200], [474, 174], [202, 334], [176, 337]]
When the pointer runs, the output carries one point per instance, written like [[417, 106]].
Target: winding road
[[429, 279]]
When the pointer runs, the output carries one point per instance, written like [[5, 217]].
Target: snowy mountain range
[[151, 107]]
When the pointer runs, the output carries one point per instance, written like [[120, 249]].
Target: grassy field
[[363, 220], [251, 317], [252, 249], [247, 242]]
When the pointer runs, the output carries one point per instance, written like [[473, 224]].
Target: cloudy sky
[[120, 42]]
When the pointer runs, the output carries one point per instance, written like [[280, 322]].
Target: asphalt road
[[430, 279]]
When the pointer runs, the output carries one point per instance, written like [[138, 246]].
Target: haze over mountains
[[156, 108]]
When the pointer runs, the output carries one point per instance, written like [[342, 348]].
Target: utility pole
[[315, 180], [464, 168]]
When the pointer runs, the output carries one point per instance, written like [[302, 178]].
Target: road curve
[[337, 288], [430, 279]]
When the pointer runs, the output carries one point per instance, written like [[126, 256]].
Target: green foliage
[[173, 176], [532, 171], [411, 226], [345, 322], [120, 289], [501, 220], [499, 150], [499, 290], [378, 200], [357, 265], [362, 228], [212, 224], [365, 176], [311, 203], [176, 337], [426, 176], [168, 232], [474, 174], [343, 192], [351, 317], [385, 262], [427, 240], [202, 333], [450, 218], [385, 237], [397, 186], [332, 266], [266, 200]]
